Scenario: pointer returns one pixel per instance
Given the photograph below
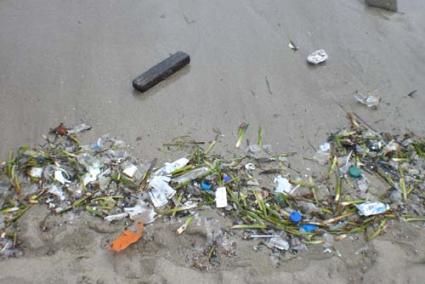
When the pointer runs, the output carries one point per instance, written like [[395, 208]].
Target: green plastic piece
[[354, 172]]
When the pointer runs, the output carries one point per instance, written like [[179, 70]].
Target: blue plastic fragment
[[97, 146], [226, 178], [308, 228], [40, 159], [206, 185], [295, 217]]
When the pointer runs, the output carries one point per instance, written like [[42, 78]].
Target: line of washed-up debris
[[256, 189]]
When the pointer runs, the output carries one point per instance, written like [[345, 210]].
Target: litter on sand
[[161, 71], [369, 101], [116, 217], [372, 208], [317, 57], [79, 128], [283, 185], [390, 5], [142, 211], [292, 45], [279, 243], [127, 237], [172, 167], [160, 191], [185, 225], [268, 200], [130, 170], [36, 172], [221, 197]]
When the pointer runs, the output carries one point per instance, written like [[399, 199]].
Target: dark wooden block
[[161, 71], [390, 5]]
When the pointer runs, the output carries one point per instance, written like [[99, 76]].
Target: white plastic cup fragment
[[369, 101]]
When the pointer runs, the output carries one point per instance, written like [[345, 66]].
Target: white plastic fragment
[[57, 191], [60, 178], [193, 174], [36, 172], [372, 208], [325, 147], [369, 101], [160, 191], [279, 243], [180, 230], [257, 236], [317, 57], [283, 185], [185, 225], [323, 153], [189, 205], [221, 197], [391, 147], [346, 161], [141, 211], [91, 176], [250, 167], [253, 182], [98, 145], [171, 167], [79, 128], [130, 170], [115, 217]]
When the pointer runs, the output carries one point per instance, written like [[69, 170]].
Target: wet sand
[[73, 61]]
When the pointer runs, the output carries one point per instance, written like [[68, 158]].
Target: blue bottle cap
[[226, 178], [295, 217], [308, 228], [206, 185]]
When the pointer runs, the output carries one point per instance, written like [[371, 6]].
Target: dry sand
[[73, 61]]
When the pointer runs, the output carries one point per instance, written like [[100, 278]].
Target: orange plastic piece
[[127, 237]]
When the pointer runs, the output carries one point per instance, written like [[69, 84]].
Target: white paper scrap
[[221, 197]]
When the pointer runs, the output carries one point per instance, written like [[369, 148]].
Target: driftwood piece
[[161, 71]]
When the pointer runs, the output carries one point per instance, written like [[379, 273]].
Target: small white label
[[221, 197]]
